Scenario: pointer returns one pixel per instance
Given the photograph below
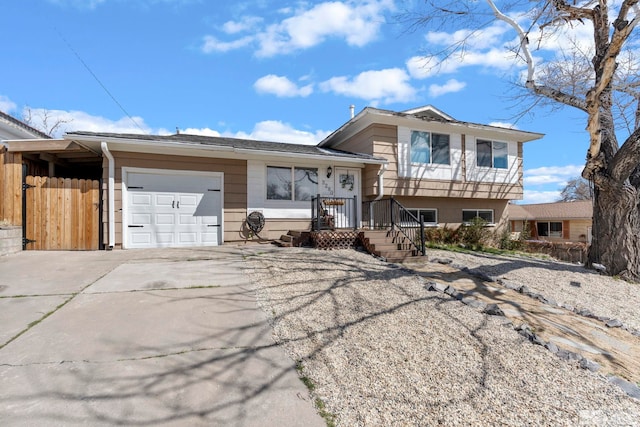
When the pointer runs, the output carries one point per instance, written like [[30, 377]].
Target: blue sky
[[264, 69]]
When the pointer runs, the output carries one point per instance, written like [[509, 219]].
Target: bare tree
[[599, 78], [576, 189], [43, 120]]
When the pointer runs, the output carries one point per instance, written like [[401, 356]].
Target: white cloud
[[450, 86], [212, 44], [551, 174], [81, 121], [247, 23], [200, 131], [7, 105], [539, 197], [357, 22], [277, 131], [503, 125], [386, 86], [281, 86]]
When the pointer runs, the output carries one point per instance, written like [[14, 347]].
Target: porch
[[382, 227]]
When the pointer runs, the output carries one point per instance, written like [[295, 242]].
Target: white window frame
[[431, 162], [292, 170], [493, 157], [477, 211]]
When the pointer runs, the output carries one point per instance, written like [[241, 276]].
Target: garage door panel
[[140, 199], [174, 210], [140, 237], [141, 219]]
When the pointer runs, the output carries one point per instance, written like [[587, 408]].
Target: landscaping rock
[[436, 287], [613, 323], [473, 302], [524, 290], [444, 261], [630, 388], [450, 290], [551, 347], [569, 355], [509, 285], [590, 365], [493, 310]]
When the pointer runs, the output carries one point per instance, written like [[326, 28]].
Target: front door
[[347, 186]]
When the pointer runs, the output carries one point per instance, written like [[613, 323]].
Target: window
[[429, 148], [285, 183], [429, 216], [492, 154], [469, 215], [549, 228]]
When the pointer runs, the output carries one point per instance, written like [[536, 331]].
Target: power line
[[98, 80]]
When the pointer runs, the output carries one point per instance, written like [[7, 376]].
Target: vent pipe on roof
[[352, 108]]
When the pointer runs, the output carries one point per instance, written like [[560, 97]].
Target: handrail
[[389, 213], [329, 213]]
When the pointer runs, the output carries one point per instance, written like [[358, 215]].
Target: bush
[[474, 235]]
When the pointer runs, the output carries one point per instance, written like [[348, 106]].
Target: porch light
[[329, 171]]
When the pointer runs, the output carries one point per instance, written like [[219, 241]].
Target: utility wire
[[98, 80]]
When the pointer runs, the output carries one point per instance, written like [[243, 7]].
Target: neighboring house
[[556, 222], [187, 190], [12, 128]]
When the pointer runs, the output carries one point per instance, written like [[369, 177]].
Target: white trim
[[124, 197], [111, 213]]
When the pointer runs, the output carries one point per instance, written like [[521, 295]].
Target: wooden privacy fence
[[10, 187], [62, 213]]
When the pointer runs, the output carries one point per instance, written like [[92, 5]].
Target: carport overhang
[[57, 153]]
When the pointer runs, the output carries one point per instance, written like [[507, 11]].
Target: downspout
[[110, 195], [381, 172]]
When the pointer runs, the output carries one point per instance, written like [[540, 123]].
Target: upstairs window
[[294, 184], [429, 148], [492, 154]]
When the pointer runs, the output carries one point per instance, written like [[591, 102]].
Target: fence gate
[[61, 213]]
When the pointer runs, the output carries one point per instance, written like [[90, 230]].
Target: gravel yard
[[566, 283], [382, 350]]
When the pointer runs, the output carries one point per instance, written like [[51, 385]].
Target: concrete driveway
[[141, 337]]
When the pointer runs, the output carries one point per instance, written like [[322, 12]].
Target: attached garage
[[168, 208]]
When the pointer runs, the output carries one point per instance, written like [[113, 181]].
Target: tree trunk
[[616, 231]]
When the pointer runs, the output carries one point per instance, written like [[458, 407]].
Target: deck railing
[[330, 213], [388, 214]]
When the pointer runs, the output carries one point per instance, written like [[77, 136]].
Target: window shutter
[[565, 230], [533, 229]]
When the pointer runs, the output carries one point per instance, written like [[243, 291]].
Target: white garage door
[[167, 210]]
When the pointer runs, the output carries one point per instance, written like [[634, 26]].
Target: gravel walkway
[[382, 350]]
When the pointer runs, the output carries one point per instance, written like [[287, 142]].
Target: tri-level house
[[380, 170]]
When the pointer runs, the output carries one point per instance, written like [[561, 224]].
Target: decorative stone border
[[523, 329]]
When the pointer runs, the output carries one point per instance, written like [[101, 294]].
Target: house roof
[[370, 115], [582, 209], [228, 144], [23, 130]]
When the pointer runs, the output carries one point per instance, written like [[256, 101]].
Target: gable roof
[[19, 128], [580, 209], [246, 146], [417, 116]]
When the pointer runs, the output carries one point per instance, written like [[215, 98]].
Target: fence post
[[391, 206], [355, 212], [317, 212], [422, 242]]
